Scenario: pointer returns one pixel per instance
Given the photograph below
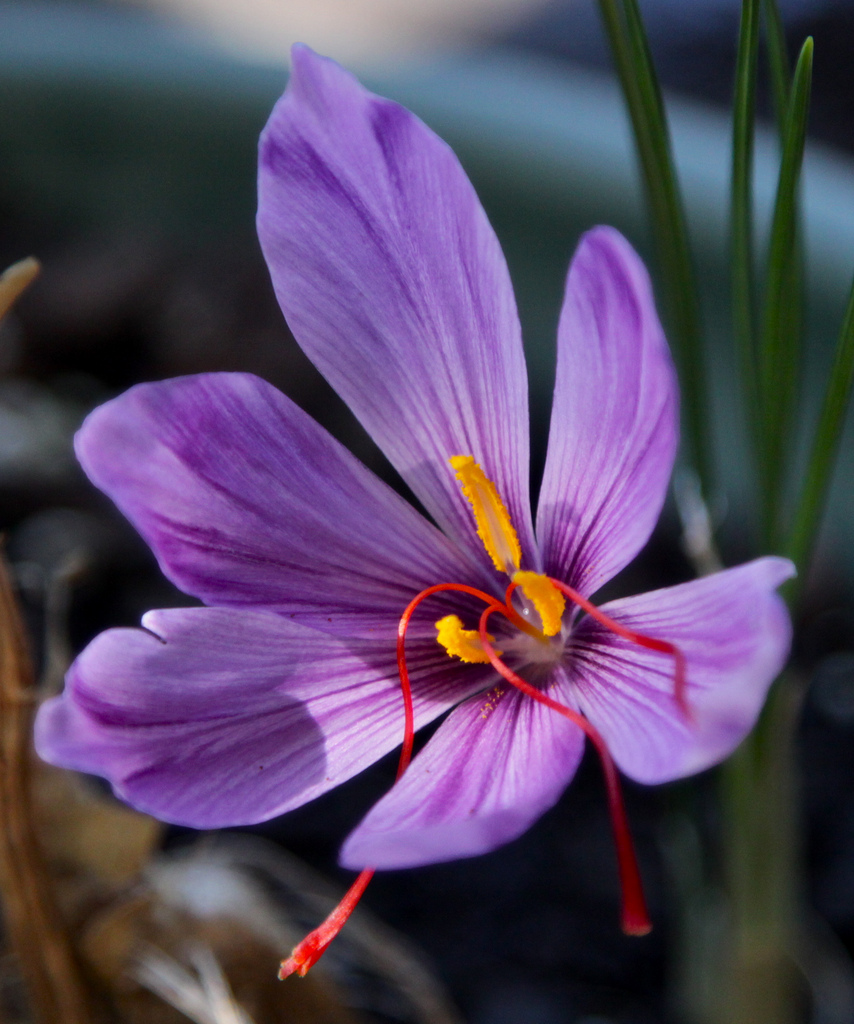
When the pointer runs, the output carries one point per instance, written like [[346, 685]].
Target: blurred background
[[128, 136]]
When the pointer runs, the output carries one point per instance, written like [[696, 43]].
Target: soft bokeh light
[[360, 31]]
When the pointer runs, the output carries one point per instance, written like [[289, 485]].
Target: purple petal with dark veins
[[734, 631], [614, 427], [494, 766], [245, 500], [394, 284], [211, 717]]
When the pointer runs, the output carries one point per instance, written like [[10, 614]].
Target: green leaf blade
[[639, 82], [741, 209], [780, 346], [778, 60], [825, 446]]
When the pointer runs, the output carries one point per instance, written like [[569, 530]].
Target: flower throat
[[543, 603]]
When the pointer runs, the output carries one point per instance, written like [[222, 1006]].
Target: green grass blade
[[780, 346], [639, 82], [741, 210], [778, 60], [825, 446]]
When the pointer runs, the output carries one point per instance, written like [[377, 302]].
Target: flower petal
[[245, 500], [614, 426], [394, 284], [495, 765], [734, 631], [211, 717]]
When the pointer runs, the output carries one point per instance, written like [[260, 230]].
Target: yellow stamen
[[545, 597], [462, 643], [493, 520]]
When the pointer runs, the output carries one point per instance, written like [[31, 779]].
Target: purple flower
[[286, 683]]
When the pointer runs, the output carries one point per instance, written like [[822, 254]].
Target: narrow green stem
[[825, 446], [778, 60], [780, 346], [760, 802], [741, 211]]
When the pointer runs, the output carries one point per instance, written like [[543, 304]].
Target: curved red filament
[[306, 953], [650, 643], [634, 918], [403, 671]]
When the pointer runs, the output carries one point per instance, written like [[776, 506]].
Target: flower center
[[541, 604], [533, 606]]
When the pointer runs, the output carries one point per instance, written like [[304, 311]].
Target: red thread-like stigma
[[634, 916], [306, 953], [650, 643], [403, 671]]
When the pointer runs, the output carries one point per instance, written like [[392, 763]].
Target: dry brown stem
[[34, 929], [14, 280]]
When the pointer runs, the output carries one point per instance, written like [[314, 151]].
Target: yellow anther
[[493, 520], [545, 597], [462, 643]]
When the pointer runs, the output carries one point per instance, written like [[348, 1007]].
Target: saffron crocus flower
[[288, 681]]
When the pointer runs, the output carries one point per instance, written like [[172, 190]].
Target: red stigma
[[306, 954], [403, 671], [634, 918], [650, 643]]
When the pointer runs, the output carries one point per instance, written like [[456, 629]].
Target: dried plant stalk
[[14, 280], [34, 929]]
